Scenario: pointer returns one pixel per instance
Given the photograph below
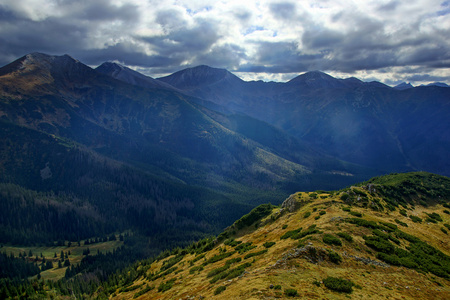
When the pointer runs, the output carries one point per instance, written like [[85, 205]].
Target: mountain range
[[89, 152], [207, 134]]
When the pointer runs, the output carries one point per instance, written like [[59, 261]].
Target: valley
[[174, 161]]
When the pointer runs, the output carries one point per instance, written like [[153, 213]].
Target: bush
[[345, 236], [277, 287], [307, 214], [268, 244], [255, 253], [415, 219], [255, 215], [242, 248], [355, 213], [195, 269], [331, 240], [165, 286], [435, 217], [334, 257], [220, 289], [290, 292], [338, 284], [401, 223], [322, 212]]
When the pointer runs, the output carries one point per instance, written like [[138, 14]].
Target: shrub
[[256, 214], [255, 253], [401, 223], [268, 244], [165, 286], [144, 291], [195, 269], [338, 284], [415, 219], [307, 214], [444, 230], [216, 271], [277, 287], [284, 226], [220, 289], [291, 234], [242, 248], [363, 223], [435, 217], [334, 257], [232, 242], [355, 213], [347, 209], [322, 212], [403, 212], [331, 240], [345, 236], [290, 292], [379, 244], [218, 257]]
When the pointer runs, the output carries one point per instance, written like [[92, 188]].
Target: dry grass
[[373, 282]]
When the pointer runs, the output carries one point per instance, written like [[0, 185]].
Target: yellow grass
[[373, 282]]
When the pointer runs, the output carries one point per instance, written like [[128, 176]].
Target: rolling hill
[[384, 238]]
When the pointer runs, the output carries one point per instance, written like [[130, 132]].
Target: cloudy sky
[[385, 40]]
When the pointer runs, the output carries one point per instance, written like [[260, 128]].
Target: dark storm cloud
[[103, 10], [392, 5], [264, 36], [425, 78], [20, 35], [49, 36], [283, 10]]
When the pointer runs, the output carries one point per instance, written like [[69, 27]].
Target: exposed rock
[[312, 254], [366, 261], [290, 203]]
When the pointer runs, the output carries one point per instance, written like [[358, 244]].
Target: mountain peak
[[199, 75], [316, 79], [439, 84], [131, 76], [403, 86]]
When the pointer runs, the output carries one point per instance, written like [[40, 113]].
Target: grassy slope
[[75, 257], [281, 266]]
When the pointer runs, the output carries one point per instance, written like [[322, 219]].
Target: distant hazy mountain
[[367, 123], [403, 86], [132, 155], [440, 84]]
